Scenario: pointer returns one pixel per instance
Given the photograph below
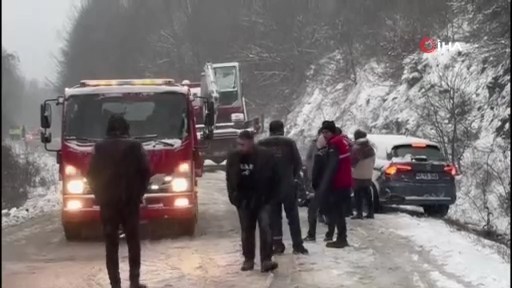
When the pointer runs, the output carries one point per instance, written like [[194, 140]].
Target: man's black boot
[[279, 248], [369, 216], [247, 265], [300, 249], [115, 280], [138, 285], [357, 216], [339, 244], [268, 266], [309, 238], [328, 237]]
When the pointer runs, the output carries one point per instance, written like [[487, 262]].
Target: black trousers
[[336, 213], [363, 194], [313, 211], [249, 218], [112, 219], [291, 209]]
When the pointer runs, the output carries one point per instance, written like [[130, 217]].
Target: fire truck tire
[[188, 227], [72, 232], [218, 161]]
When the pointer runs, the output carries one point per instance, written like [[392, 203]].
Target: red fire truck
[[161, 116], [222, 81]]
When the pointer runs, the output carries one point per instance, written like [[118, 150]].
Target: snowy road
[[395, 250]]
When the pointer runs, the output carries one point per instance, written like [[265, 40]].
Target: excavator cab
[[221, 86], [228, 83]]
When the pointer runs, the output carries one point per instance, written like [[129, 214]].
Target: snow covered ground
[[41, 199], [474, 263], [394, 250]]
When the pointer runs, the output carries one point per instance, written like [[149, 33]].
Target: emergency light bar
[[128, 82]]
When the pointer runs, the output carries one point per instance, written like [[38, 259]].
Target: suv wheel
[[436, 211], [377, 207]]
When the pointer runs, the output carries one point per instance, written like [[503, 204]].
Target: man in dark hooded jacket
[[363, 161], [336, 186], [317, 172], [310, 155], [252, 180], [290, 164], [119, 175]]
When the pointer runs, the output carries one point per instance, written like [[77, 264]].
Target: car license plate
[[427, 176]]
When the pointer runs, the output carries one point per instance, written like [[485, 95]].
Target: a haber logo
[[430, 45]]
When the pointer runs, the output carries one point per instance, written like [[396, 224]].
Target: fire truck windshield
[[163, 114]]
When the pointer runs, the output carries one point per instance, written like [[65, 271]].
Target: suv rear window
[[431, 152]]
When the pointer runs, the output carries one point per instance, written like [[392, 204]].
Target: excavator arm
[[210, 99]]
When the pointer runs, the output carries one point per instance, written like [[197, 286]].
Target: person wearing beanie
[[336, 185], [290, 165], [119, 175], [363, 161]]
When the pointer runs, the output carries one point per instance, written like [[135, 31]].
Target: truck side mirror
[[46, 137], [46, 115], [210, 113], [209, 121], [60, 100]]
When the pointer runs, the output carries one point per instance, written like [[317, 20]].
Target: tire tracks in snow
[[378, 258], [36, 254]]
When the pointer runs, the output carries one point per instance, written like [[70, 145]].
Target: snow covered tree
[[447, 109]]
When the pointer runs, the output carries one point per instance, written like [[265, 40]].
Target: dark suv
[[412, 171]]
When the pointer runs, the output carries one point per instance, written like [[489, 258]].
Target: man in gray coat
[[290, 164], [363, 161]]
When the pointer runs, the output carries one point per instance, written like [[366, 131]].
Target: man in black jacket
[[317, 172], [289, 164], [119, 175], [252, 180]]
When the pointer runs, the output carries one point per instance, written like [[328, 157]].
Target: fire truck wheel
[[218, 161], [188, 227], [72, 232]]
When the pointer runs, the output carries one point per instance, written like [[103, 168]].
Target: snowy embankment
[[41, 199], [374, 103], [456, 252], [398, 250]]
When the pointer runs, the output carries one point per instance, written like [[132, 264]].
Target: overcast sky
[[34, 30]]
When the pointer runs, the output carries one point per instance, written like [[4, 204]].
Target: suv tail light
[[393, 168], [451, 169]]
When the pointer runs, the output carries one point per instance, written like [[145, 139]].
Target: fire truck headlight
[[75, 186], [179, 185]]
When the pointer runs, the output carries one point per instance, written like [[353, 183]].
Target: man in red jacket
[[336, 185]]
